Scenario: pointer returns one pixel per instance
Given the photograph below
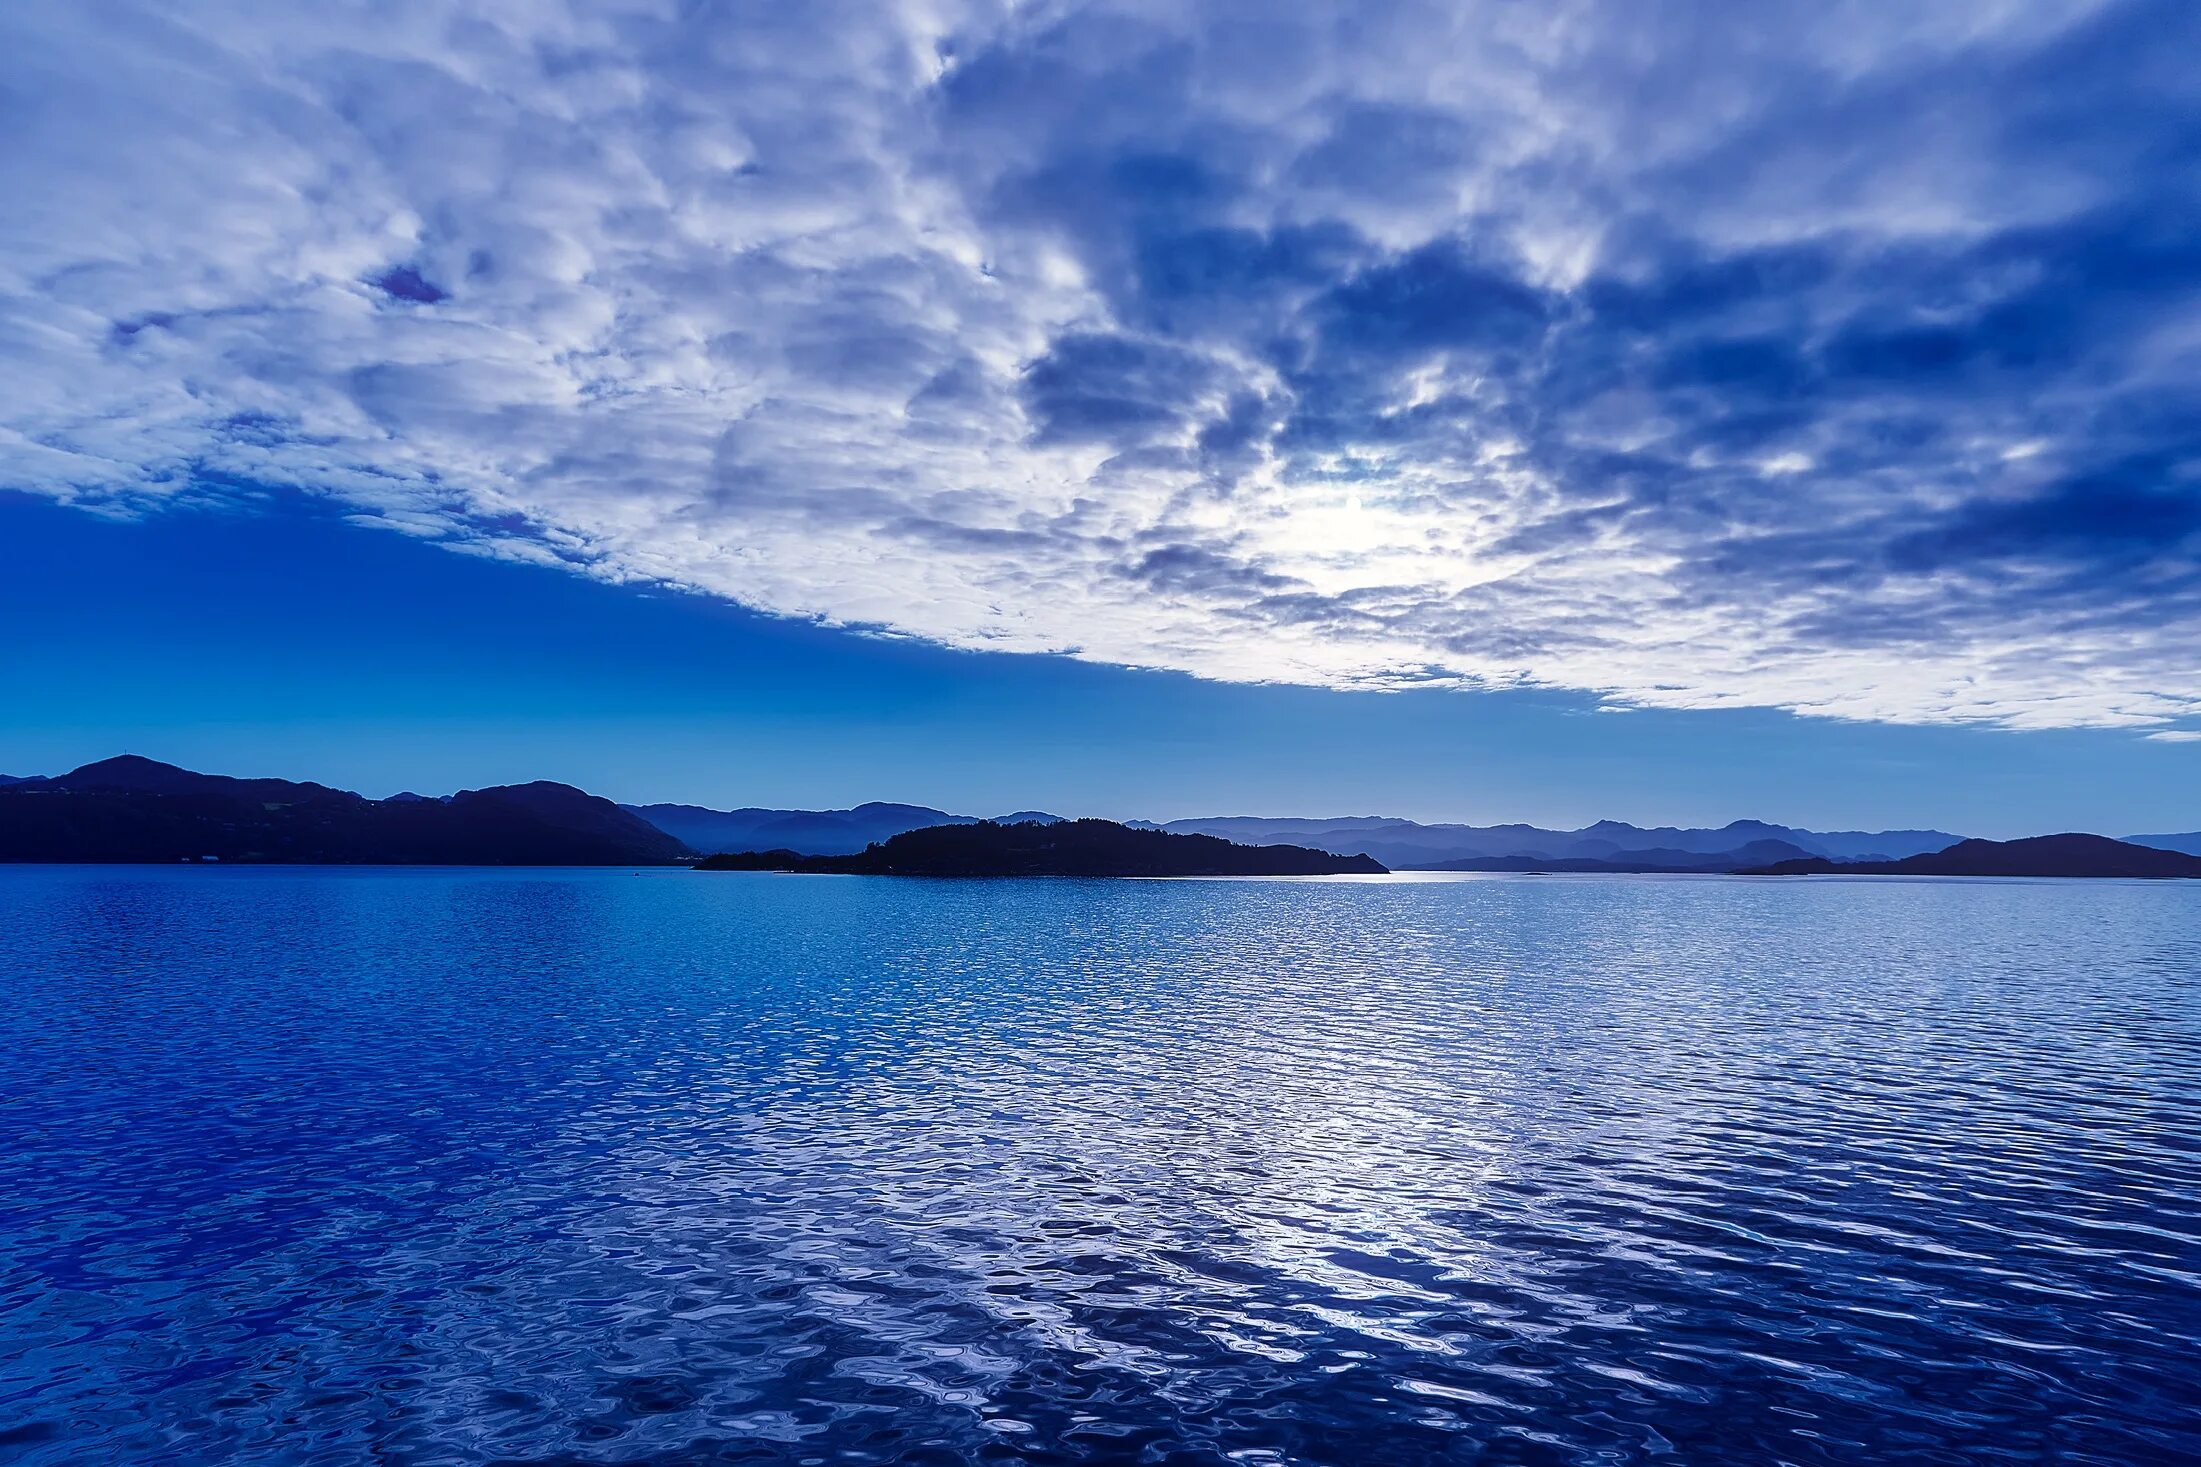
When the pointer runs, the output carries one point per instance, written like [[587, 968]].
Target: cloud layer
[[1842, 358]]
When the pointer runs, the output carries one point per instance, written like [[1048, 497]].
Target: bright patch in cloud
[[1839, 360]]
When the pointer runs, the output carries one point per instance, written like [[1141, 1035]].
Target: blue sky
[[1543, 411], [288, 641]]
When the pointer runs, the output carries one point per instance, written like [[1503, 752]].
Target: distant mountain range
[[136, 809], [2041, 855], [2188, 844], [133, 809], [1054, 848], [1657, 858], [1609, 845], [806, 832]]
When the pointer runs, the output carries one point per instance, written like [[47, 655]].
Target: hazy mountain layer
[[806, 832], [1756, 853], [1407, 843], [811, 832]]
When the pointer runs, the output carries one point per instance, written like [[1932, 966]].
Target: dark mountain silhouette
[[2041, 855], [1063, 848], [134, 809], [134, 774], [1756, 853], [1409, 845]]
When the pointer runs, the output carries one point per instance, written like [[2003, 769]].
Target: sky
[[1547, 411]]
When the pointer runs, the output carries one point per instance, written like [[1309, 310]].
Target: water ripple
[[579, 1167]]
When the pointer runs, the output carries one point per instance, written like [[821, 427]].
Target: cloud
[[2174, 736], [1839, 360]]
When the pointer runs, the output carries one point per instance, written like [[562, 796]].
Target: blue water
[[528, 1167]]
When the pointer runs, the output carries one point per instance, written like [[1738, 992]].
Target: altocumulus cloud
[[1837, 357]]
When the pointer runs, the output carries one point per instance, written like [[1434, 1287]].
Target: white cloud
[[780, 308]]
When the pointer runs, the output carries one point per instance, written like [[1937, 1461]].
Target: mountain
[[1407, 844], [134, 809], [1062, 848], [133, 774], [2189, 843], [8, 779], [2041, 855]]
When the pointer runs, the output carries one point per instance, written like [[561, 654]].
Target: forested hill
[[1065, 848]]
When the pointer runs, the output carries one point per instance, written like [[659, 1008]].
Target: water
[[561, 1167]]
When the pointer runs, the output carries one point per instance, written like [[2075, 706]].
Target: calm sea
[[562, 1167]]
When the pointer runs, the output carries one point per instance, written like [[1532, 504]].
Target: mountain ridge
[[133, 809]]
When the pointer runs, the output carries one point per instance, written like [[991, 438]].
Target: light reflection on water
[[458, 1166]]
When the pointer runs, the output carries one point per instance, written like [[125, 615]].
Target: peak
[[534, 789], [128, 771], [136, 774], [129, 764], [2064, 838]]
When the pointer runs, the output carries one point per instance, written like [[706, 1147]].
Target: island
[[2068, 855], [1062, 848]]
